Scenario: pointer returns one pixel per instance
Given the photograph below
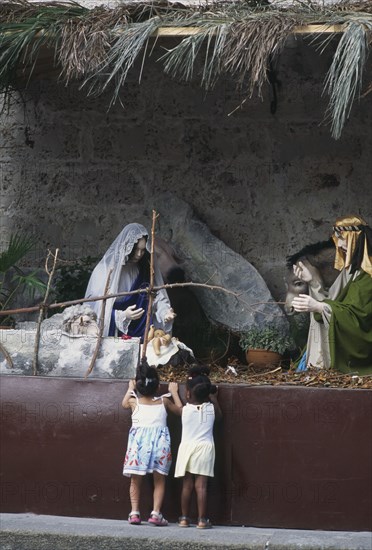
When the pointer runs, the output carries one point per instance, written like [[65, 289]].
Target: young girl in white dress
[[148, 450], [196, 453]]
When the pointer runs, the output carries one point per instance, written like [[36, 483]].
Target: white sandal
[[134, 518], [157, 519]]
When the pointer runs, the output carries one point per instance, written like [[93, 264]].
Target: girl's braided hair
[[199, 384]]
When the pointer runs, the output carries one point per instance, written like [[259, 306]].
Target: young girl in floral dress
[[196, 453], [148, 450]]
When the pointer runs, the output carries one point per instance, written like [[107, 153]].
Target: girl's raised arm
[[217, 408], [128, 398], [176, 407]]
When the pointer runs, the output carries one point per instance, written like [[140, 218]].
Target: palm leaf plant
[[12, 278]]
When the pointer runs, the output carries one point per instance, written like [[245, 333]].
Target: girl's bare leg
[[201, 495], [135, 492], [187, 489], [159, 490]]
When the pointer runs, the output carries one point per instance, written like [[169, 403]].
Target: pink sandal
[[157, 519], [134, 518]]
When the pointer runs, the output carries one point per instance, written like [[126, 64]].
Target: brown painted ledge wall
[[287, 457]]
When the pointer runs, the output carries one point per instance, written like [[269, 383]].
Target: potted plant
[[264, 345], [13, 280]]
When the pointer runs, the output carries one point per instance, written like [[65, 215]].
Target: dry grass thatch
[[98, 47]]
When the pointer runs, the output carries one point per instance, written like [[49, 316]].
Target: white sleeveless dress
[[149, 442], [196, 453]]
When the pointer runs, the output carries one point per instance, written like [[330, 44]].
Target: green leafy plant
[[72, 279], [14, 280], [269, 338]]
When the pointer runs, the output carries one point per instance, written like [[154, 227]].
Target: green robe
[[350, 330]]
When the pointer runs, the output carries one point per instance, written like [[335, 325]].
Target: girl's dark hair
[[199, 384], [365, 236], [147, 379]]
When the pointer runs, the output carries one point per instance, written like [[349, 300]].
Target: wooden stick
[[314, 28], [42, 309], [71, 302], [264, 373], [118, 294], [150, 289], [6, 355], [108, 296], [101, 327], [322, 28]]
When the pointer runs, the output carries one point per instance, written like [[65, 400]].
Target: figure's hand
[[131, 385], [170, 315], [302, 272], [132, 313], [306, 303], [173, 387]]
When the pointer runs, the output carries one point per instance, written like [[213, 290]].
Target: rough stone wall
[[74, 173]]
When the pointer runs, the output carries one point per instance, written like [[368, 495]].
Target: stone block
[[68, 356], [248, 301]]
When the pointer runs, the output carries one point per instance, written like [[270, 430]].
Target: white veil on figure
[[115, 258]]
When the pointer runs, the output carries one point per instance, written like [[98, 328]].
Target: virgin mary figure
[[129, 258]]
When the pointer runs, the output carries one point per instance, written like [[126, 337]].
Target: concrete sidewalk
[[33, 532]]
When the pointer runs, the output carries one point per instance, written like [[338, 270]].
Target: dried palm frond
[[180, 60], [213, 60], [22, 37], [238, 47], [85, 42], [344, 77], [100, 46], [81, 50], [22, 10], [121, 57], [250, 44]]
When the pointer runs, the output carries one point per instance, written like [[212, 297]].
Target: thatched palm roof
[[99, 46]]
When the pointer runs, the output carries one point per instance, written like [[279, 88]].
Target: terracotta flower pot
[[262, 357]]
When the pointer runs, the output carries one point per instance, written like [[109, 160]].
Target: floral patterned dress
[[149, 442]]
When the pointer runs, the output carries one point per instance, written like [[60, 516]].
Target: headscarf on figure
[[358, 237], [128, 276]]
